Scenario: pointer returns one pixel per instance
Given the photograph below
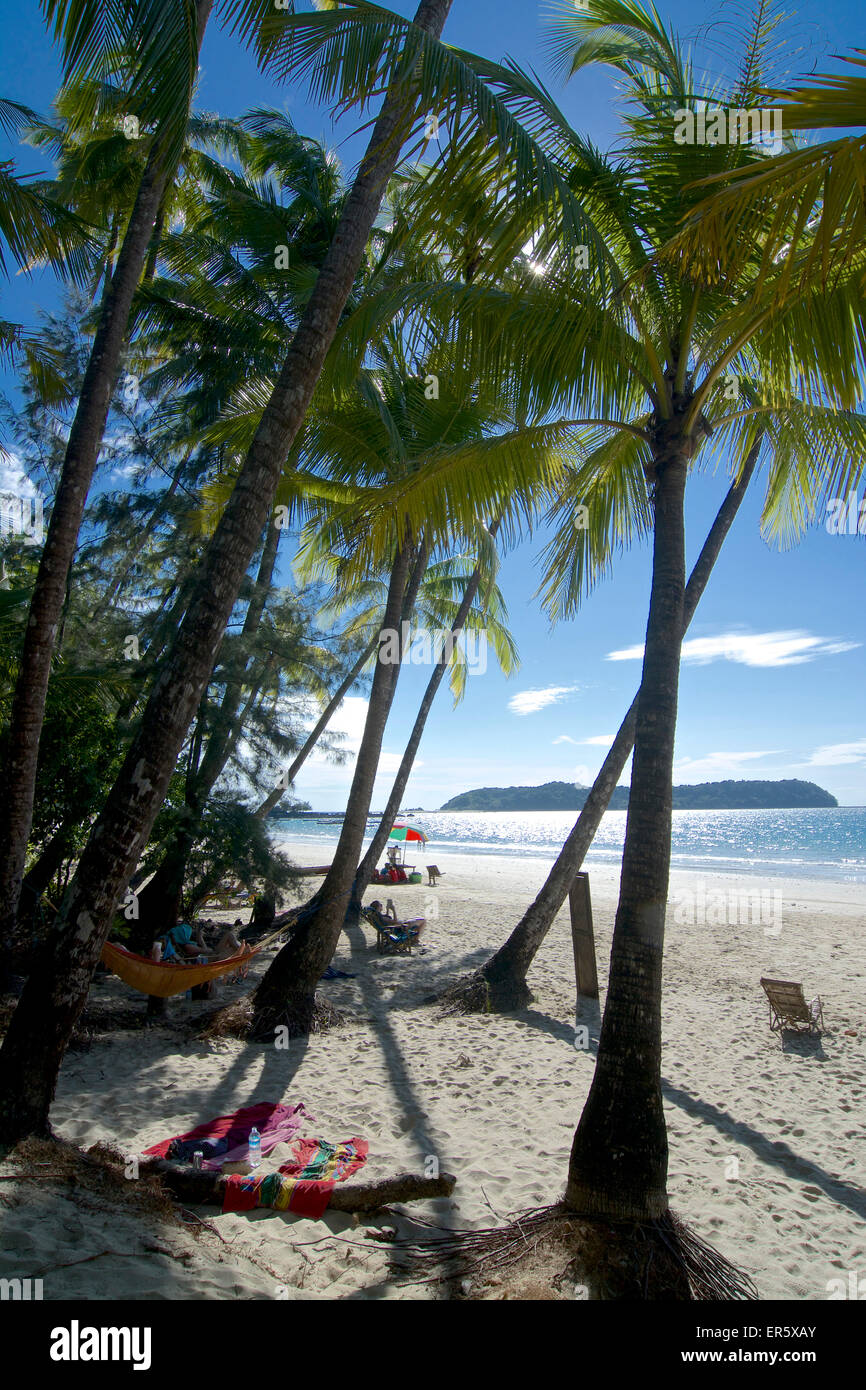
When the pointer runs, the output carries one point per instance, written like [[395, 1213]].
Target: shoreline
[[765, 1134], [538, 838], [532, 870]]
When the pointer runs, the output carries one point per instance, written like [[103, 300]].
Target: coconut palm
[[34, 1045], [687, 337], [169, 53], [815, 192], [35, 228], [389, 426], [658, 359], [485, 618]]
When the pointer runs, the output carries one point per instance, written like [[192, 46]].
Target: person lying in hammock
[[185, 945]]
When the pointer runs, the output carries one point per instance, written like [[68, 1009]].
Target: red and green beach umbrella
[[408, 834]]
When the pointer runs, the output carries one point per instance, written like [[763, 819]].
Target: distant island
[[708, 796]]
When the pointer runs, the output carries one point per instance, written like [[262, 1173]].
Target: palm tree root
[[475, 994], [97, 1178], [550, 1253], [293, 1018]]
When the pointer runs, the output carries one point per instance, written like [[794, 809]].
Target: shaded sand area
[[766, 1136]]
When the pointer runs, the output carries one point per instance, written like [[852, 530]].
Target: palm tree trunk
[[55, 995], [500, 985], [619, 1157], [274, 797], [205, 886], [159, 902], [383, 830], [49, 592], [287, 993]]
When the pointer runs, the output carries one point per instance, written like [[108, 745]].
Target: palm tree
[[500, 984], [687, 337], [387, 428], [51, 1002], [815, 193], [214, 326], [35, 228], [160, 899], [169, 54], [661, 359], [481, 618]]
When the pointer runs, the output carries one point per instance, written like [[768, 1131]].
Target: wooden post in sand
[[583, 939]]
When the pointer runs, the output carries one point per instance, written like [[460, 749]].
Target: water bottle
[[254, 1148]]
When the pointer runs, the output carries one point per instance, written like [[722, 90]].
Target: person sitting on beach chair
[[392, 935]]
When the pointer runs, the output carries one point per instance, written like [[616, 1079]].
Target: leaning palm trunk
[[55, 994], [158, 903], [274, 798], [501, 985], [206, 885], [383, 830], [287, 994], [52, 578], [619, 1158]]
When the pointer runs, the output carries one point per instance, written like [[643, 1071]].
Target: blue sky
[[774, 686]]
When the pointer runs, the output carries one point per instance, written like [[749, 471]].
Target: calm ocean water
[[822, 843]]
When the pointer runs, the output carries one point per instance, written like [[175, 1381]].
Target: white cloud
[[530, 701], [583, 775], [785, 648], [13, 478], [349, 720], [717, 766], [597, 740], [838, 754]]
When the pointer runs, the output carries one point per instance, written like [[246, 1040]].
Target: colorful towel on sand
[[224, 1140], [316, 1159], [278, 1192], [304, 1185]]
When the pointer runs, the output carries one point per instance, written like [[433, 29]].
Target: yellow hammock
[[166, 978]]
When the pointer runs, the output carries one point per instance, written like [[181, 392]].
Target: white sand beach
[[494, 1099]]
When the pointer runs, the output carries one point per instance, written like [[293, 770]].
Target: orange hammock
[[166, 978]]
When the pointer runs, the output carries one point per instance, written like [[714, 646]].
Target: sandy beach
[[766, 1137]]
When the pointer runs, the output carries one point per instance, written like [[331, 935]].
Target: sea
[[824, 843]]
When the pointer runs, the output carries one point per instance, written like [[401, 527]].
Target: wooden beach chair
[[789, 1009]]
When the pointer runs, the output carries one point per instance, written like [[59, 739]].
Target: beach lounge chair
[[398, 938], [789, 1009]]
